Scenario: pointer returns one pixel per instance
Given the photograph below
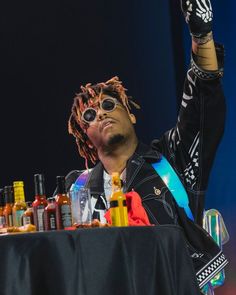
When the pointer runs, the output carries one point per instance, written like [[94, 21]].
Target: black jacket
[[190, 148]]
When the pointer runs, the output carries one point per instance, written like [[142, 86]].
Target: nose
[[101, 114]]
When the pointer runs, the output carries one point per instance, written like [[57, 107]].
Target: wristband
[[203, 40], [205, 75]]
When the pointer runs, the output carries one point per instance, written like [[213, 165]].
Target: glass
[[213, 223], [107, 104], [81, 206]]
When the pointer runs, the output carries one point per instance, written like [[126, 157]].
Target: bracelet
[[203, 40], [205, 75]]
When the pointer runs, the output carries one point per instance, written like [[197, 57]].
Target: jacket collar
[[142, 154]]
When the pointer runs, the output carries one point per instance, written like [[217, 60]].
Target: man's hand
[[198, 15]]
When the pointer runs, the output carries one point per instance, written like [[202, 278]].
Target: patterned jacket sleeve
[[192, 144]]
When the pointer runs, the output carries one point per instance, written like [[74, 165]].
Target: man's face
[[110, 128]]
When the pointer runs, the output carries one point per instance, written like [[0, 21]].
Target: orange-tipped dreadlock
[[90, 94]]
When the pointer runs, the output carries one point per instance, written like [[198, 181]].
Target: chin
[[115, 139]]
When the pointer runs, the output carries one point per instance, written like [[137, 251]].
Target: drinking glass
[[81, 206]]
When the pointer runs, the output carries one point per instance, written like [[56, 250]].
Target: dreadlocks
[[90, 94]]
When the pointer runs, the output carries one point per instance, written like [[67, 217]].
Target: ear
[[132, 118]]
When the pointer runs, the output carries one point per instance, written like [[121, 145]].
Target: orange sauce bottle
[[118, 206], [28, 215], [19, 205], [63, 205]]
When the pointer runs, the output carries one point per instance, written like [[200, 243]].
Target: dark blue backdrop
[[221, 192]]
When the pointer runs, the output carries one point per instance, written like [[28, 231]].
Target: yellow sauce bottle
[[19, 205], [118, 206]]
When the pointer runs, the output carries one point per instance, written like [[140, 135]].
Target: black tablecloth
[[98, 261]]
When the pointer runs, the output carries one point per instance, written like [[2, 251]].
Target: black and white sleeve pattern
[[191, 145]]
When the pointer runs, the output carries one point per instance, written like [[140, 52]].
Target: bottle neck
[[61, 186], [116, 182], [116, 188], [9, 195], [39, 188], [19, 194]]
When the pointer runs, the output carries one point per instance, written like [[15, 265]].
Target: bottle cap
[[18, 183], [61, 185], [29, 204], [116, 179], [2, 202], [51, 200], [39, 185], [9, 194], [18, 187]]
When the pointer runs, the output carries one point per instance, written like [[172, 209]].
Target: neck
[[115, 158]]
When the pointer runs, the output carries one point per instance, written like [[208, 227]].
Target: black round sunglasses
[[107, 104]]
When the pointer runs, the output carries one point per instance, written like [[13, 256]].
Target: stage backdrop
[[48, 50]]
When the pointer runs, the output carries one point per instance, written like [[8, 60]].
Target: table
[[99, 261]]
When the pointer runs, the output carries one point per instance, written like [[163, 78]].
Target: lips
[[105, 123]]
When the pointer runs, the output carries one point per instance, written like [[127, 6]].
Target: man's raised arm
[[198, 14]]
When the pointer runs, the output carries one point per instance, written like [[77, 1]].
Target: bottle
[[40, 201], [9, 202], [118, 206], [63, 205], [19, 205], [28, 215], [2, 205], [50, 215]]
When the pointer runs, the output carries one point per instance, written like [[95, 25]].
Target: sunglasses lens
[[108, 104], [89, 115]]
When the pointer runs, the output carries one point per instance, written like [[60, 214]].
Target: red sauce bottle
[[63, 205], [2, 205], [50, 215], [9, 200], [40, 202]]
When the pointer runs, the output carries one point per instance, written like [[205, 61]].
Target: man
[[103, 124]]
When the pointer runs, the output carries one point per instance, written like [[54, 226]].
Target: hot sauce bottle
[[28, 215], [19, 205], [9, 202], [118, 206], [40, 201], [50, 215], [2, 204], [63, 205]]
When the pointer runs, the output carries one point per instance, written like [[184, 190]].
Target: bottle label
[[17, 217], [52, 221], [40, 211], [26, 220], [9, 220], [119, 213], [2, 221], [19, 194], [66, 215]]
